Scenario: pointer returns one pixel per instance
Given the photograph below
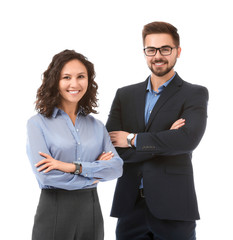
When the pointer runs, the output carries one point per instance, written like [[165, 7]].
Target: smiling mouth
[[159, 63], [73, 92]]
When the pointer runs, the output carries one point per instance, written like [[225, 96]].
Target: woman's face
[[73, 83]]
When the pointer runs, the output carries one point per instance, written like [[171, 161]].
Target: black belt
[[141, 193]]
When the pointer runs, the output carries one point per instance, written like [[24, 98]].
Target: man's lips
[[159, 63]]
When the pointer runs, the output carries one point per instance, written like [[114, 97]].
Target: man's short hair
[[161, 27]]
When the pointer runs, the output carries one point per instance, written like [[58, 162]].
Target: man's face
[[161, 65]]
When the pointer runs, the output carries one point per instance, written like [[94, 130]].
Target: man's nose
[[158, 54]]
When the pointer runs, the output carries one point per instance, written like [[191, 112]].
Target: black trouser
[[140, 224], [68, 215]]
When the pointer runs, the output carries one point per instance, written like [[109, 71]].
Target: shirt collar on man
[[161, 87]]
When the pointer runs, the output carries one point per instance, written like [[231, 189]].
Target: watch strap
[[77, 167]]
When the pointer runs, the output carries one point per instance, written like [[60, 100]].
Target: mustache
[[159, 61]]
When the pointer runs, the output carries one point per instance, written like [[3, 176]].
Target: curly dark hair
[[48, 96]]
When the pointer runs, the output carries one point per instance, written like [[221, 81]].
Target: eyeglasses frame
[[158, 49]]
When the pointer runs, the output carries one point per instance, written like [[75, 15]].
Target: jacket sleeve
[[114, 122], [114, 119], [166, 142], [185, 139]]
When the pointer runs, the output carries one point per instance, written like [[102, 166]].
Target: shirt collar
[[57, 110], [161, 87]]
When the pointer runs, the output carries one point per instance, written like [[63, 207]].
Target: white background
[[109, 34]]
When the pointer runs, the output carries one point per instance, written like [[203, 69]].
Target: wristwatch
[[130, 137], [78, 167]]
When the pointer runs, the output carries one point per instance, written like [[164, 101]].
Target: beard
[[160, 71]]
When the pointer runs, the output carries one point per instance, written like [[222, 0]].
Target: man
[[155, 126]]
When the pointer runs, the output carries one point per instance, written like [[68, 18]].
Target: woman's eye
[[66, 77]]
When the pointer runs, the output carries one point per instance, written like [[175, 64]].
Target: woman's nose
[[74, 82]]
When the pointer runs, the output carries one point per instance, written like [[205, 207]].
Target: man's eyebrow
[[159, 47]]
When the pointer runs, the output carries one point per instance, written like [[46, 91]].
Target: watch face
[[130, 136], [129, 139], [77, 171]]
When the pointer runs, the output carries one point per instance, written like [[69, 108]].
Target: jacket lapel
[[140, 98], [170, 90]]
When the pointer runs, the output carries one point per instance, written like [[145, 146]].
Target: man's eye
[[150, 50], [165, 50]]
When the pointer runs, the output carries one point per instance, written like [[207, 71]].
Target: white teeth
[[158, 64], [73, 92]]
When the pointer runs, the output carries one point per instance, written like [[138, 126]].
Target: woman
[[70, 152]]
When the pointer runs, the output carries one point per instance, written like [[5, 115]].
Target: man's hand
[[119, 138], [178, 124]]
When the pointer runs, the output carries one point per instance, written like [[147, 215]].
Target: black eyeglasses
[[164, 51]]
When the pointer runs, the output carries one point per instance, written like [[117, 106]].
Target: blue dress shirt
[[64, 141], [151, 99]]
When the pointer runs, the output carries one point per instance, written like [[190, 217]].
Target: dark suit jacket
[[162, 156]]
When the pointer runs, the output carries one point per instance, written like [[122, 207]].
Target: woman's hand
[[105, 156], [50, 163], [178, 124]]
